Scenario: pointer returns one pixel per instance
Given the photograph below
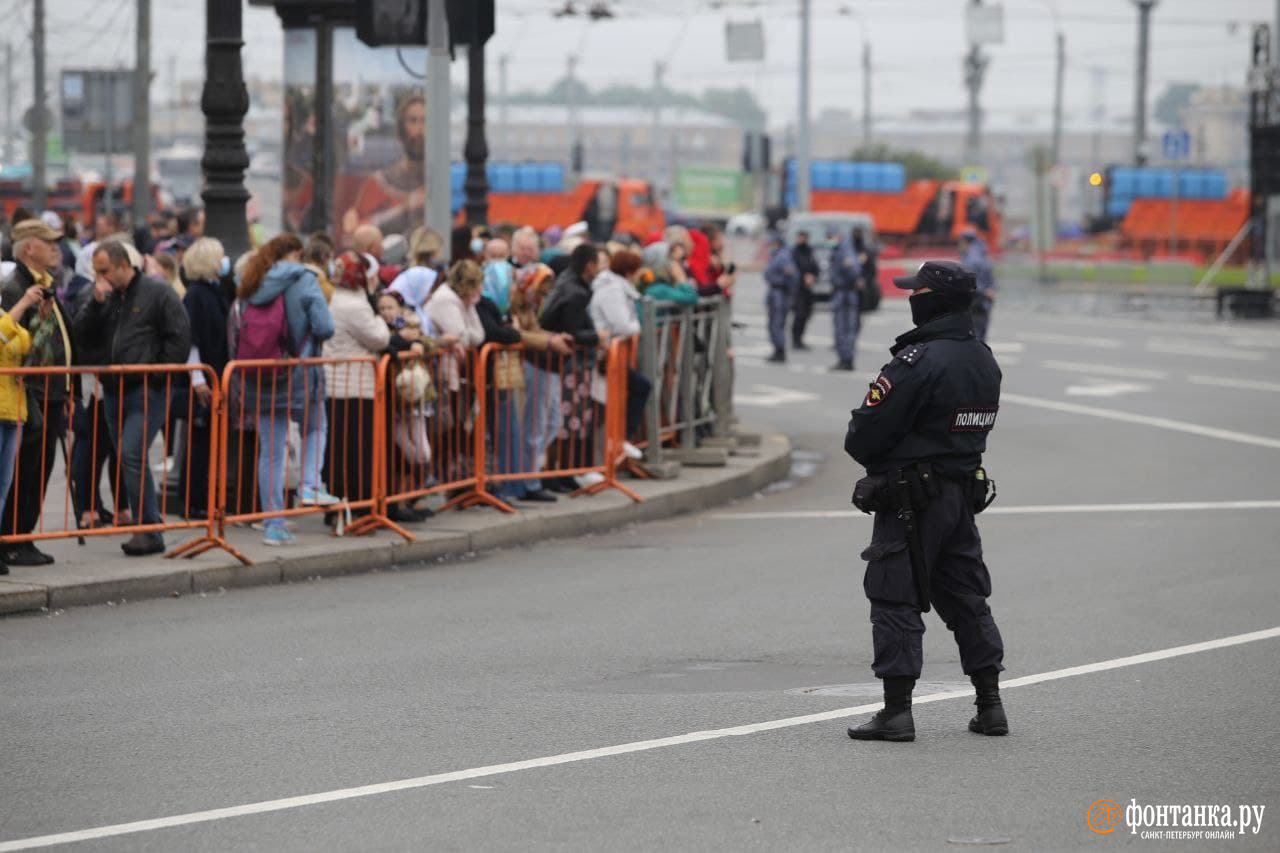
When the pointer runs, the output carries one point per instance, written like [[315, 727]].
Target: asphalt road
[[655, 688]]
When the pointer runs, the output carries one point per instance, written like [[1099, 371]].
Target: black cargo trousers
[[959, 585]]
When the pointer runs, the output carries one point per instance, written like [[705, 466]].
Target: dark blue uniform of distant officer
[[929, 411], [807, 263], [846, 295], [977, 258], [782, 278]]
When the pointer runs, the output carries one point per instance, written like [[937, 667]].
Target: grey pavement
[[727, 617]]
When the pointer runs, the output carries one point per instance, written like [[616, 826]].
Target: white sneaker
[[586, 481], [631, 451]]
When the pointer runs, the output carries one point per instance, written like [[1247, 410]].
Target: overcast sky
[[917, 48]]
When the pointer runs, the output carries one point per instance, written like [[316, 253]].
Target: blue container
[[1124, 181], [527, 177], [502, 178], [1164, 183], [824, 175], [895, 178], [846, 176], [457, 176], [1118, 207], [1191, 184], [863, 176], [1145, 184], [1216, 185], [551, 178]]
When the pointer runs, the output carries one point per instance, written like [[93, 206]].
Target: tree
[[919, 166], [1172, 101]]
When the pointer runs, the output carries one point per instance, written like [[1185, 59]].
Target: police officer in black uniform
[[920, 432]]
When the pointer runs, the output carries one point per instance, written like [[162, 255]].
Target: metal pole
[[8, 102], [1059, 76], [438, 215], [225, 100], [975, 65], [648, 365], [866, 93], [109, 170], [321, 213], [576, 154], [142, 115], [476, 150], [655, 136], [1140, 87], [39, 139], [802, 126], [503, 147]]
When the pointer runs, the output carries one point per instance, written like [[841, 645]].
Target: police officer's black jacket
[[935, 401]]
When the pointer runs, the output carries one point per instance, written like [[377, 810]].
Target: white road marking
[[1069, 340], [1104, 370], [1261, 343], [1044, 509], [1166, 347], [1144, 420], [1229, 382], [1006, 347], [1106, 389], [288, 803], [773, 396]]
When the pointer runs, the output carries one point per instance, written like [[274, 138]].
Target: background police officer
[[807, 263], [781, 277], [920, 433], [976, 257], [846, 284]]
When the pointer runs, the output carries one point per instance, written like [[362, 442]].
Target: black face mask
[[932, 305]]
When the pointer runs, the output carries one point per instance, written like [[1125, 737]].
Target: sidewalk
[[98, 572]]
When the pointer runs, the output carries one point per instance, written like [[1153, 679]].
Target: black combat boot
[[990, 719], [894, 721]]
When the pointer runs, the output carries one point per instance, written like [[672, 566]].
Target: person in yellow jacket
[[15, 343]]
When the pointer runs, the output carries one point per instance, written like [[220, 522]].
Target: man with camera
[[37, 253], [920, 432]]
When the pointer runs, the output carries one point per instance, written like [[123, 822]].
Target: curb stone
[[172, 579]]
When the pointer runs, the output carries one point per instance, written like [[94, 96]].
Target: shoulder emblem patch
[[879, 392], [974, 419]]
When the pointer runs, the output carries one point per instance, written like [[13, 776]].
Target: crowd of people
[[165, 294]]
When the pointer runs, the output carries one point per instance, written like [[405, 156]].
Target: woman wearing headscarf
[[359, 335], [506, 377], [658, 279], [453, 312]]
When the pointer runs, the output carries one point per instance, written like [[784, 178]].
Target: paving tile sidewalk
[[97, 572]]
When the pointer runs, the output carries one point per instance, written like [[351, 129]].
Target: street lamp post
[[476, 149], [224, 102]]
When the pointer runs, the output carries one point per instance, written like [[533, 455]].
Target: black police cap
[[940, 276]]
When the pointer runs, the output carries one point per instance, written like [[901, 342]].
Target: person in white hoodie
[[613, 309]]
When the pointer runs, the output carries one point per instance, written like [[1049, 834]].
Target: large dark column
[[224, 103], [476, 150], [320, 217]]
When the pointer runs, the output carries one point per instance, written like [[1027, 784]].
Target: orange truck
[[70, 198], [925, 214], [608, 206], [908, 215]]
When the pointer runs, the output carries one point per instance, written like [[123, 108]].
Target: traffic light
[[394, 22]]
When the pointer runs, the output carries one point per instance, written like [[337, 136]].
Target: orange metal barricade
[[431, 423], [340, 402], [588, 420], [99, 403]]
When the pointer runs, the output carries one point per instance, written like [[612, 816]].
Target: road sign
[[1176, 145]]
